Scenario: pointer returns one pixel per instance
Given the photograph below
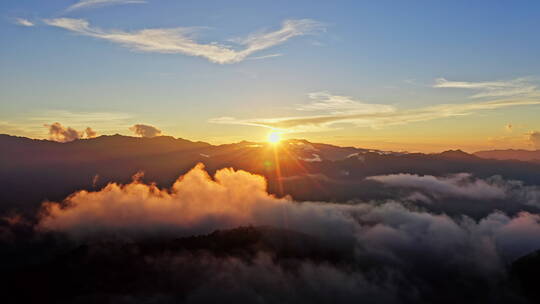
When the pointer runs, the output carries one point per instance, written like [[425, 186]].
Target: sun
[[274, 137]]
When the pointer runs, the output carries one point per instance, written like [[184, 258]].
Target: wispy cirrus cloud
[[181, 40], [266, 56], [85, 4], [337, 109], [336, 104], [515, 87], [103, 118], [24, 22]]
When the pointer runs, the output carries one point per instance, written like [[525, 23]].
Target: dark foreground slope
[[243, 265]]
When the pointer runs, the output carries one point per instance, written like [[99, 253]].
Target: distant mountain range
[[511, 154], [38, 170]]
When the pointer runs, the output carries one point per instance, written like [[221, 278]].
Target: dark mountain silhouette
[[457, 155], [38, 170], [97, 270], [167, 270], [511, 154]]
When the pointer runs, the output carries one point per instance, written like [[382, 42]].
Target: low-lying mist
[[377, 251]]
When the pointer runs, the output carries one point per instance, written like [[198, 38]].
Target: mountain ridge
[[511, 154], [308, 171]]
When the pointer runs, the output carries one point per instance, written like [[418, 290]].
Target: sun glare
[[274, 137]]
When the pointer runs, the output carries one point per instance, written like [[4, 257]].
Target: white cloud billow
[[534, 137], [198, 203], [145, 130], [181, 41], [463, 185], [458, 185], [59, 133]]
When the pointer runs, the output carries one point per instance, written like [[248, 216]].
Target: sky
[[394, 75]]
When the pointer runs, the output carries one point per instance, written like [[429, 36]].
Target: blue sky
[[362, 55]]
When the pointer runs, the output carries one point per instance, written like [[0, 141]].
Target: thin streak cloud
[[113, 118], [372, 117], [180, 40], [515, 87], [86, 4], [266, 56], [24, 22], [336, 104]]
